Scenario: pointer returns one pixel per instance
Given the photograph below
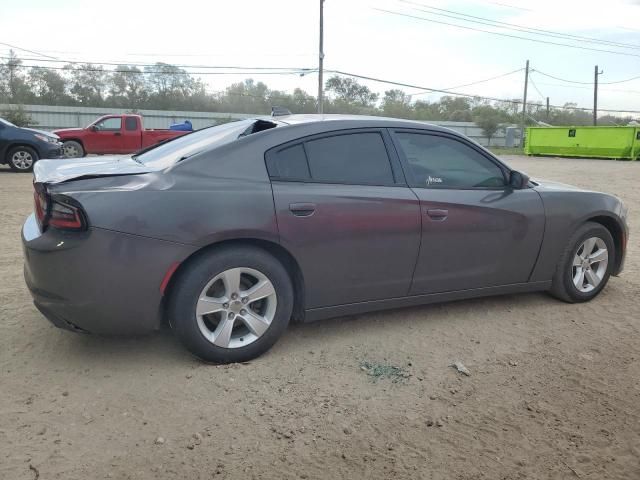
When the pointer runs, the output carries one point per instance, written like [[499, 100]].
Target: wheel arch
[[617, 232], [13, 145], [73, 139], [275, 249]]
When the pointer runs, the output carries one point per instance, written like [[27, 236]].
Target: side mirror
[[518, 180], [93, 128]]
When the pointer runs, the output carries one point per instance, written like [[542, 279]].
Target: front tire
[[22, 159], [585, 265], [231, 304], [72, 149]]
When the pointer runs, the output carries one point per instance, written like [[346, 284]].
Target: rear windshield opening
[[258, 126], [181, 148]]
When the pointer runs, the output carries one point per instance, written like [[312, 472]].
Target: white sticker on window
[[431, 180]]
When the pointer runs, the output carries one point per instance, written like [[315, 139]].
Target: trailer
[[620, 143]]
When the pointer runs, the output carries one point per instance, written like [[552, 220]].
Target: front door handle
[[438, 214], [117, 134], [302, 209]]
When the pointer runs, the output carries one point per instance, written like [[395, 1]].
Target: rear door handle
[[117, 134], [437, 214], [302, 209]]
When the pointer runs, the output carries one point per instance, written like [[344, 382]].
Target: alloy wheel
[[590, 264], [22, 160], [236, 307]]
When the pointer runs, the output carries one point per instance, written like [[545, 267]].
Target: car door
[[105, 136], [477, 231], [346, 214]]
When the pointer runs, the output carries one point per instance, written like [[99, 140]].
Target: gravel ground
[[554, 389]]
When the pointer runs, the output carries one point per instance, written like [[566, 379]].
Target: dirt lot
[[554, 391]]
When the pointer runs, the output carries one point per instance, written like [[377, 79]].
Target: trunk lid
[[62, 170]]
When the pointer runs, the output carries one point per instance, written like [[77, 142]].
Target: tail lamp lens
[[65, 216], [57, 212]]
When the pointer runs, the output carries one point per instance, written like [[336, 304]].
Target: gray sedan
[[229, 232]]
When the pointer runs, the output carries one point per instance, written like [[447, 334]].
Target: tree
[[397, 104], [489, 120], [128, 87], [349, 93], [13, 85], [48, 86], [87, 83]]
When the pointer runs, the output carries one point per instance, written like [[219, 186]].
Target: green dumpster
[[621, 143]]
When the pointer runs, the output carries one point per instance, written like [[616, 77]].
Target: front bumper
[[50, 150], [99, 281]]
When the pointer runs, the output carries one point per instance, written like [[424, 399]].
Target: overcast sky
[[359, 38]]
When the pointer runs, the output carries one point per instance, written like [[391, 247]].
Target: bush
[[18, 116]]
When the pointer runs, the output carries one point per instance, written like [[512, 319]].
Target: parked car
[[21, 148], [112, 134], [230, 231]]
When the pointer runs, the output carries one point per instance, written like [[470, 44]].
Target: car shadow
[[163, 349]]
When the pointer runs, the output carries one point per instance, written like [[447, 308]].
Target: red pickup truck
[[112, 134]]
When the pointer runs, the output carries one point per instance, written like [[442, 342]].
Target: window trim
[[414, 183], [397, 173]]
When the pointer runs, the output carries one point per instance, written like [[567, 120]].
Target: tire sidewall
[[194, 277], [13, 151], [591, 230], [77, 145]]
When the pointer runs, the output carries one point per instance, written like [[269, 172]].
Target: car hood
[[41, 132], [547, 185], [67, 131], [62, 170]]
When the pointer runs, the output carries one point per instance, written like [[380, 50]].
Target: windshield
[[167, 154], [8, 124]]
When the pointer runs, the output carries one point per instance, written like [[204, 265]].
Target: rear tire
[[22, 159], [72, 149], [581, 275], [214, 312]]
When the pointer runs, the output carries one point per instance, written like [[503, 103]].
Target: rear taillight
[[41, 202], [57, 211], [65, 216]]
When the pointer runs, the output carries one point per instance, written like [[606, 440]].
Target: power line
[[436, 90], [586, 83], [521, 28], [158, 64], [535, 87], [474, 83], [164, 72], [505, 34], [26, 50]]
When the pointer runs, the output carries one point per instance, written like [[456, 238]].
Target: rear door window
[[356, 158], [131, 124]]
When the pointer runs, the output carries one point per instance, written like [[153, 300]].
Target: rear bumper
[[98, 281]]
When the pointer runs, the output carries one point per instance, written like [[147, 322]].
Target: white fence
[[53, 117]]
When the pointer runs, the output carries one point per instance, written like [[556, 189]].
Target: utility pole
[[547, 109], [595, 95], [524, 103], [321, 60]]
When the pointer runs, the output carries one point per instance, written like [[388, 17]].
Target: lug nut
[[243, 312], [225, 305], [245, 299], [234, 296], [231, 314]]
